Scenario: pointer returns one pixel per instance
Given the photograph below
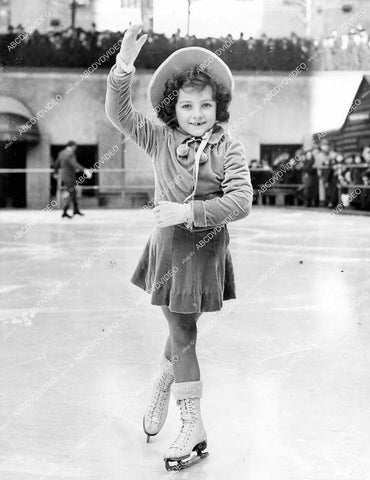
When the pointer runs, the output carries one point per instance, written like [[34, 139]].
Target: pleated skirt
[[187, 271]]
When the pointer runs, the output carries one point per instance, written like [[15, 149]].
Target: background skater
[[67, 162]]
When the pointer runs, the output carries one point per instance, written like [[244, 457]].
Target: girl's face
[[196, 110]]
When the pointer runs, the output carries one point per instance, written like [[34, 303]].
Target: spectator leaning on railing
[[79, 48], [344, 51], [342, 176]]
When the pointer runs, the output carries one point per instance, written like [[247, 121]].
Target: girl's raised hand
[[130, 46]]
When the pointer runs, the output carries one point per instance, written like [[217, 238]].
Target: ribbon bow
[[198, 155], [184, 149]]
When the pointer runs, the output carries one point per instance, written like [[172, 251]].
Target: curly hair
[[196, 78]]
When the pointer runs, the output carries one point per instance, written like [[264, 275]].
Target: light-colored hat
[[182, 60]]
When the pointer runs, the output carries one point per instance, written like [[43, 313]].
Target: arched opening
[[16, 133], [13, 185]]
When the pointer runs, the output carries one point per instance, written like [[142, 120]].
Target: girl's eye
[[186, 106], [207, 105]]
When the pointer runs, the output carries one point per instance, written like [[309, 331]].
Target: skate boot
[[191, 442], [156, 413]]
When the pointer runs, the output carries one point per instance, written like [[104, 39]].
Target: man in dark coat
[[69, 165], [310, 181]]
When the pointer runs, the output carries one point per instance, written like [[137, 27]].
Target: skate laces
[[187, 409], [161, 393], [188, 421], [166, 378]]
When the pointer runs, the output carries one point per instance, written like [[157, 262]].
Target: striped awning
[[15, 122], [14, 128]]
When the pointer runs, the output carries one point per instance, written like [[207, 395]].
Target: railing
[[278, 190], [60, 50], [100, 189]]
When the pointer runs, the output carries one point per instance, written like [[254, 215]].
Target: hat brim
[[182, 60]]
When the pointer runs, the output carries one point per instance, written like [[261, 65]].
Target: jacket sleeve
[[73, 161], [119, 109], [57, 164], [236, 201]]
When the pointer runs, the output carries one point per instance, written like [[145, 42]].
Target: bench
[[279, 191], [104, 191]]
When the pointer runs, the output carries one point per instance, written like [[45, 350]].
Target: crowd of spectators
[[350, 51], [80, 48], [325, 177], [322, 176]]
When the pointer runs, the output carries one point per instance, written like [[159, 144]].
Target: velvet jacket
[[224, 190]]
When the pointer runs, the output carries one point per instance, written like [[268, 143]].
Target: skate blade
[[148, 435], [176, 464]]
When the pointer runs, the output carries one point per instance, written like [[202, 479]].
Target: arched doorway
[[15, 136], [13, 185]]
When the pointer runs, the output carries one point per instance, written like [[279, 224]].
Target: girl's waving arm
[[236, 201], [118, 103]]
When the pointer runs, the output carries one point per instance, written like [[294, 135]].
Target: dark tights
[[180, 345]]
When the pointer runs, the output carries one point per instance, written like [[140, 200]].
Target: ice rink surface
[[285, 367]]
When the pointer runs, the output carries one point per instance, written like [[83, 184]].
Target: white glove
[[87, 173], [130, 47], [172, 213]]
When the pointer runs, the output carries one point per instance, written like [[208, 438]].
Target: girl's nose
[[197, 114]]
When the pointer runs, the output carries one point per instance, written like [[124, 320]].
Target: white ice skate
[[156, 413], [191, 442]]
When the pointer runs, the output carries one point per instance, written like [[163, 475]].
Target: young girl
[[202, 182]]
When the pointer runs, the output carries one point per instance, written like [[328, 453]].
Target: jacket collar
[[181, 136]]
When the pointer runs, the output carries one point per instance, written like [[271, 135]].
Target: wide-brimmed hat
[[182, 60]]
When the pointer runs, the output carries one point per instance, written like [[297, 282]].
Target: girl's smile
[[196, 110]]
